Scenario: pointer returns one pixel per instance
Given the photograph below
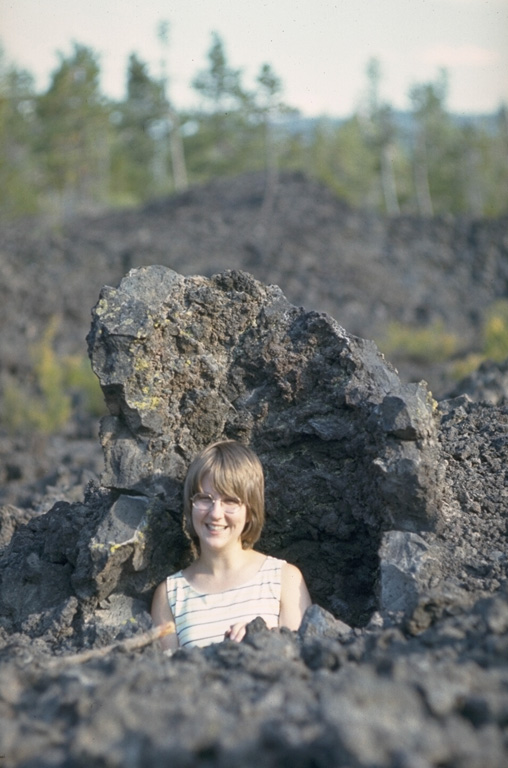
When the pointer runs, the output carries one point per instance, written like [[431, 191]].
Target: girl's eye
[[207, 502]]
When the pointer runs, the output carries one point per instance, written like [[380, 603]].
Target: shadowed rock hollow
[[348, 451]]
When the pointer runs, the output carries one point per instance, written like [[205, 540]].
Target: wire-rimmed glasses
[[204, 502]]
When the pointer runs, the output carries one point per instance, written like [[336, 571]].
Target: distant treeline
[[71, 149]]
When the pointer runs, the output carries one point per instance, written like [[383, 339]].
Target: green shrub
[[23, 411], [465, 366], [495, 341], [44, 404], [429, 344], [55, 402], [495, 331], [79, 379]]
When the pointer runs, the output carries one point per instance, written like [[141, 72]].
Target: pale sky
[[319, 48]]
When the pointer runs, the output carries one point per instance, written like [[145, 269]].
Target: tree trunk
[[421, 178], [388, 181], [263, 227], [474, 183], [177, 153]]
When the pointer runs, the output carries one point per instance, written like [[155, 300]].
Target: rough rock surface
[[348, 450], [376, 697], [488, 384], [474, 437], [394, 508], [364, 270]]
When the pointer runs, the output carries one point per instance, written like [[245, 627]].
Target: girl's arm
[[162, 613], [294, 599]]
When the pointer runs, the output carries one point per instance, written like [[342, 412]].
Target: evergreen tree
[[342, 159], [269, 107], [223, 141], [473, 165], [220, 85], [75, 131], [20, 177], [140, 158], [496, 166], [71, 145], [435, 150]]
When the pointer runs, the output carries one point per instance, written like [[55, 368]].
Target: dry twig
[[131, 644]]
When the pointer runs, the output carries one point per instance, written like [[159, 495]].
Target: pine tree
[[75, 131], [269, 107], [434, 148], [140, 157], [225, 132], [20, 177]]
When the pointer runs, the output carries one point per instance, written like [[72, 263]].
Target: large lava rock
[[355, 477], [349, 452]]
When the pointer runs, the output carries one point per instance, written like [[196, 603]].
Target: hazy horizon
[[320, 55]]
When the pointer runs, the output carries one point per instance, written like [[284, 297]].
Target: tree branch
[[131, 644]]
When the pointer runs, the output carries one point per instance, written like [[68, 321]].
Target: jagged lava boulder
[[354, 477], [349, 452]]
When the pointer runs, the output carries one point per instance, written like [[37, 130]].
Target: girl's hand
[[236, 632]]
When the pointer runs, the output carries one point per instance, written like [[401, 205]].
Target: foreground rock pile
[[376, 697], [393, 506]]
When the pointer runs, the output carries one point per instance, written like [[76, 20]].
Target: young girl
[[228, 584]]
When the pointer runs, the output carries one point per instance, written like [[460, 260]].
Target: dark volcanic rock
[[488, 384], [395, 509], [38, 470], [474, 437], [364, 270], [374, 697], [348, 451]]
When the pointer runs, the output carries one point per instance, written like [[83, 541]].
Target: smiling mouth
[[215, 527]]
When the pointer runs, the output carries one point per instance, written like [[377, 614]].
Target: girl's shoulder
[[173, 578]]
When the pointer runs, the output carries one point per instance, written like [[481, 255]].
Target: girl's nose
[[216, 508]]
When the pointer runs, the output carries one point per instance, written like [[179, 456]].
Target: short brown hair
[[234, 470]]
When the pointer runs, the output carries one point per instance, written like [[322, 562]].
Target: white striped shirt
[[202, 619]]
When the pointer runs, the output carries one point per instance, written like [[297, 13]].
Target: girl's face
[[221, 525]]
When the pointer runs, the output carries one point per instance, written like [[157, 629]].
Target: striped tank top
[[202, 619]]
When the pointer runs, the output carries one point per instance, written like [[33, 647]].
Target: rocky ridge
[[362, 269]]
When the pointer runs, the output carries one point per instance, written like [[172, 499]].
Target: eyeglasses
[[204, 502]]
